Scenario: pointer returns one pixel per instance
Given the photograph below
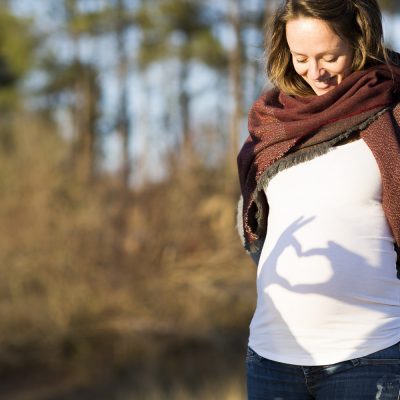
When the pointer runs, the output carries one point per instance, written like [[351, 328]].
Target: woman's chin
[[320, 92]]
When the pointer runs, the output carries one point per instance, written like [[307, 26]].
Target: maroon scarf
[[285, 130]]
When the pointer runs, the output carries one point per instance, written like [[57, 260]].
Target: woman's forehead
[[305, 35]]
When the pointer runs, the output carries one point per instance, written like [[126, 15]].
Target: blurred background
[[122, 275]]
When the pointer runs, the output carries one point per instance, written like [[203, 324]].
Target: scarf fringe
[[308, 154]]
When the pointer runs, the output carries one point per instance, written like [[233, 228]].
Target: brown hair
[[359, 22]]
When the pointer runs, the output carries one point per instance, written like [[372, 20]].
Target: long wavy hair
[[359, 22]]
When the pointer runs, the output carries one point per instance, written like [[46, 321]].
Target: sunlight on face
[[319, 55]]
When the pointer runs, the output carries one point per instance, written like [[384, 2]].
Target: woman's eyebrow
[[330, 51]]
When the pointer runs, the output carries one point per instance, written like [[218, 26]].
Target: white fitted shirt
[[326, 278]]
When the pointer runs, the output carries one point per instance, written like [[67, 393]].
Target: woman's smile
[[325, 82]]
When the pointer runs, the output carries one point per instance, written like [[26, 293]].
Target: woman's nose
[[315, 71]]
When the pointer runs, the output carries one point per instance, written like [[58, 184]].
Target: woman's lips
[[325, 83]]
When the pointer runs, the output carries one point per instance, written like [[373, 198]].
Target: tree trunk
[[123, 125], [235, 68], [123, 118], [184, 104], [85, 109]]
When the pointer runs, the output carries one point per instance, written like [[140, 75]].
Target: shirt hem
[[318, 361]]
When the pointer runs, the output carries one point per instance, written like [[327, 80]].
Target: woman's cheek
[[300, 69]]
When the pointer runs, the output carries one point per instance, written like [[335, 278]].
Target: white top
[[326, 278]]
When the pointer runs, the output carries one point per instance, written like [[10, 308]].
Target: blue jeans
[[373, 377]]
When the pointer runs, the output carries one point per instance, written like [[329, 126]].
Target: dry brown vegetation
[[76, 295]]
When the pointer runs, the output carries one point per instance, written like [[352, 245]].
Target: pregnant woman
[[320, 208]]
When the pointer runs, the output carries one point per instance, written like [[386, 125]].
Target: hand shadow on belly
[[341, 277]]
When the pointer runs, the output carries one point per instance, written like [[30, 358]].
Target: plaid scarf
[[285, 130]]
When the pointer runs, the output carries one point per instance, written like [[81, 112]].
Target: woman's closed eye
[[331, 60]]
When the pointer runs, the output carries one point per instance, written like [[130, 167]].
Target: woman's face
[[319, 55]]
